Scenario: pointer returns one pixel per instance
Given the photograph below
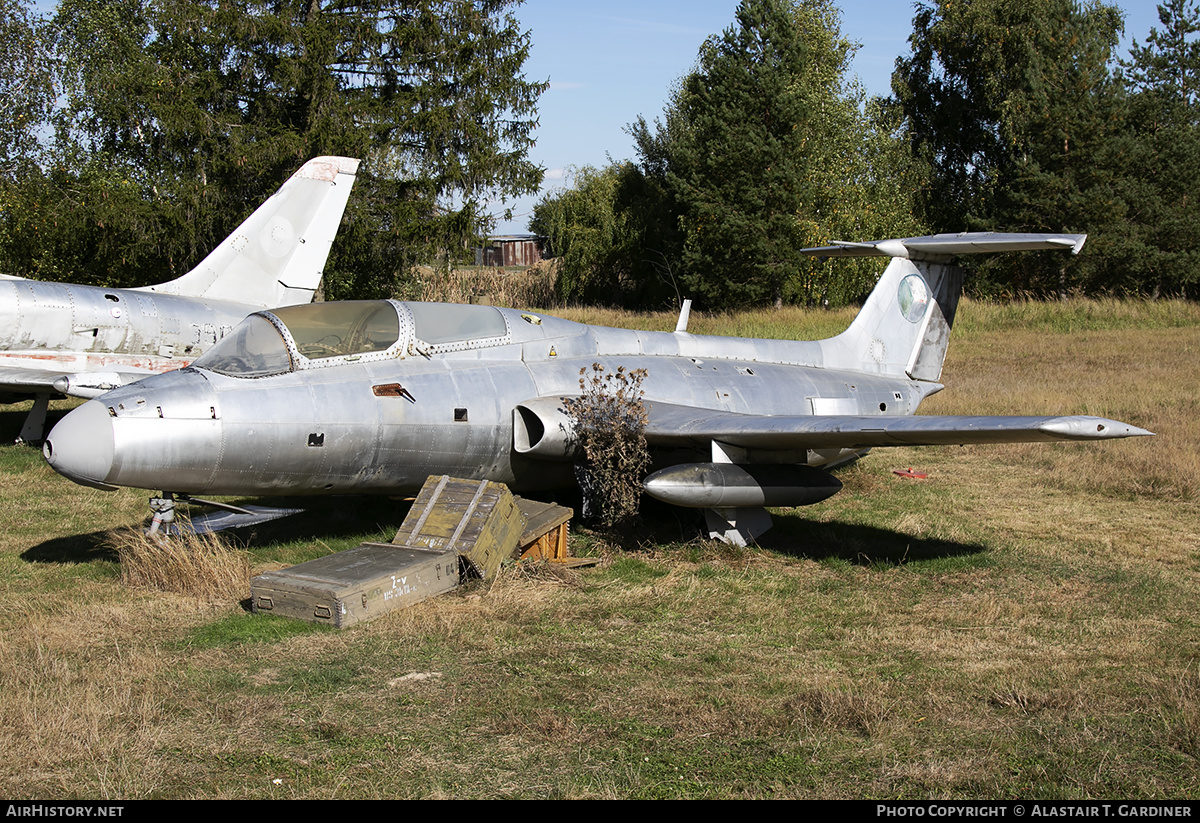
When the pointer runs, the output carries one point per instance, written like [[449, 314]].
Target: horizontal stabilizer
[[941, 247], [671, 424]]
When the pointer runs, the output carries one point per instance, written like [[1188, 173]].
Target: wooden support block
[[546, 530]]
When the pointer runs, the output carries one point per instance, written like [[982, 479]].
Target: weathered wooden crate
[[357, 584], [478, 519], [545, 534]]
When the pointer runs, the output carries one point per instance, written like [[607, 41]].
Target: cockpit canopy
[[442, 323], [322, 330], [317, 334]]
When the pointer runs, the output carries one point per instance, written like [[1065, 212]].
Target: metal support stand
[[164, 512], [34, 428], [737, 526]]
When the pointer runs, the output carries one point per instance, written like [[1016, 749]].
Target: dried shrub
[[609, 418], [204, 566]]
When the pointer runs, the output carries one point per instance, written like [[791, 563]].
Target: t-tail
[[904, 327], [277, 255]]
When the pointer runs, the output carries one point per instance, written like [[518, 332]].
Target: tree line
[[1007, 115], [135, 134]]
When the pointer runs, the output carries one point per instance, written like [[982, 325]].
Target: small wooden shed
[[510, 250]]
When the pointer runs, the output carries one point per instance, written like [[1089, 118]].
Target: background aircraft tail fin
[[904, 327], [277, 255]]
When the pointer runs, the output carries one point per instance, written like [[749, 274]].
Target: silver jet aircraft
[[374, 396], [61, 338]]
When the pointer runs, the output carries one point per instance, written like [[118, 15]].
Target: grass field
[[1023, 623]]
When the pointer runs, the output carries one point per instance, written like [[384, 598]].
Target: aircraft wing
[[28, 381], [31, 381], [671, 424], [944, 246]]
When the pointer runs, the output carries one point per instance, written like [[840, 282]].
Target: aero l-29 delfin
[[375, 396], [62, 338]]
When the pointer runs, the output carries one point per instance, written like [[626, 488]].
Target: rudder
[[904, 326], [277, 256]]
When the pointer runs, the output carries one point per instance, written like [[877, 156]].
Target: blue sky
[[609, 62]]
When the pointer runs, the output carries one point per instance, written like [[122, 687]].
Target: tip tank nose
[[81, 446], [1083, 427]]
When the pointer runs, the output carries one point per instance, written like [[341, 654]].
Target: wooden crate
[[477, 518], [357, 584], [545, 535]]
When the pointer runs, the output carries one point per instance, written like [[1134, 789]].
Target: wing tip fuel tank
[[1092, 428], [730, 485]]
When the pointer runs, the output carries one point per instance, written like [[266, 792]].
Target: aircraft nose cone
[[81, 446]]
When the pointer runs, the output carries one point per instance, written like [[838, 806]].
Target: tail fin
[[904, 327], [277, 255]]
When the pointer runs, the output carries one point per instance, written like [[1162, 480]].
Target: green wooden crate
[[477, 518], [357, 584]]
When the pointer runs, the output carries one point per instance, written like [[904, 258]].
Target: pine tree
[[755, 126], [1011, 104], [1161, 156], [764, 149], [1169, 64], [182, 115]]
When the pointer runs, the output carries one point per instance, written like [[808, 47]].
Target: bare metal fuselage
[[375, 396], [63, 328], [342, 429]]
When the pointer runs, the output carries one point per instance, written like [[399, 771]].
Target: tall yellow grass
[[512, 288], [203, 566]]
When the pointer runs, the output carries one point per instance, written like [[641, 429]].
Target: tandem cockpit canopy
[[319, 334]]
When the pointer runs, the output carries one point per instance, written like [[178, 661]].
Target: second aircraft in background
[[68, 339]]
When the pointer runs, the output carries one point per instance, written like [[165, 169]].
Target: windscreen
[[254, 349], [342, 328]]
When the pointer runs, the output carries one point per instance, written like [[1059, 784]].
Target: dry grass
[[513, 288], [204, 566], [1149, 377], [1181, 712], [1021, 624]]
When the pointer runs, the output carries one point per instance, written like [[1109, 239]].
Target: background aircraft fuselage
[[69, 329]]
